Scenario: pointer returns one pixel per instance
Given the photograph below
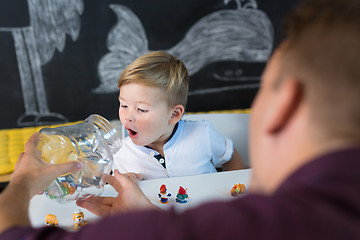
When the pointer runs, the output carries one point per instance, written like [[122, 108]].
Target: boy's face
[[145, 114]]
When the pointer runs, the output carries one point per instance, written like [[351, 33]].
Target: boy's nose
[[129, 116]]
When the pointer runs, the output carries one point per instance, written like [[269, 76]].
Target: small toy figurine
[[51, 220], [182, 195], [163, 195], [79, 220], [69, 188], [237, 189], [66, 188]]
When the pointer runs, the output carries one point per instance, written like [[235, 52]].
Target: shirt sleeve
[[222, 147]]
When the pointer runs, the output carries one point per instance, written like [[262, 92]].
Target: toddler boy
[[153, 96]]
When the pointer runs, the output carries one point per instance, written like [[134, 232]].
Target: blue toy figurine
[[163, 195]]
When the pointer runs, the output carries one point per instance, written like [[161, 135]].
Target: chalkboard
[[60, 60]]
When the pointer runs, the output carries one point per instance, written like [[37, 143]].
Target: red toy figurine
[[182, 195], [163, 195]]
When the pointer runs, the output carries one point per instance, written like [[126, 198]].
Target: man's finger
[[18, 162], [30, 145], [63, 168]]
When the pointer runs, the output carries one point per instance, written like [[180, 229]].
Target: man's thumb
[[68, 167]]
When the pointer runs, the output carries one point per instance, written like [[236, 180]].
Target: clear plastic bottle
[[93, 143]]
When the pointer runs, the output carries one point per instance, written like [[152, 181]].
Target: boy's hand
[[130, 197], [134, 177]]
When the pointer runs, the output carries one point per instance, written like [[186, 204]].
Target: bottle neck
[[109, 133]]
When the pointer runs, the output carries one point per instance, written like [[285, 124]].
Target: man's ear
[[177, 113], [287, 101]]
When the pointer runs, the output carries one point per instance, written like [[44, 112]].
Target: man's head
[[161, 70], [323, 52], [309, 100]]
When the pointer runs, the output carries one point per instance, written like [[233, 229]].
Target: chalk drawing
[[243, 34], [243, 3], [35, 45], [126, 41]]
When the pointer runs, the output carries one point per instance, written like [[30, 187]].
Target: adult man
[[304, 145]]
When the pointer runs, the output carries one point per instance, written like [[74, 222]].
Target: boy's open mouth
[[131, 132]]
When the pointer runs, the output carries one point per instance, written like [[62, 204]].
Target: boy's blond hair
[[162, 70]]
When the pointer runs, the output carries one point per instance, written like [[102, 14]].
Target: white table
[[200, 188]]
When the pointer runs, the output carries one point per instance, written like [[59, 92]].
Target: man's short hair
[[322, 50], [161, 70]]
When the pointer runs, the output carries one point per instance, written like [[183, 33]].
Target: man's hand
[[130, 197], [31, 176], [34, 173]]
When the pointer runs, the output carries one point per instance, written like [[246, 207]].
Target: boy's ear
[[286, 104], [177, 113]]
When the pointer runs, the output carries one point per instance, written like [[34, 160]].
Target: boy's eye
[[123, 106], [142, 110]]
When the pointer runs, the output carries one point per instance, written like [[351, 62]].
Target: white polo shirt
[[195, 148]]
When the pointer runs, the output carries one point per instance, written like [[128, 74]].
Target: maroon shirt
[[319, 201]]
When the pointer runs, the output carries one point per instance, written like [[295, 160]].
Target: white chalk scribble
[[50, 21], [244, 34]]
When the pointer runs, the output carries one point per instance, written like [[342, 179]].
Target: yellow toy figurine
[[51, 220], [79, 220]]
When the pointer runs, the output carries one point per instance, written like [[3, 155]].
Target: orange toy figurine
[[79, 220], [69, 189], [51, 220], [163, 195], [237, 189]]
